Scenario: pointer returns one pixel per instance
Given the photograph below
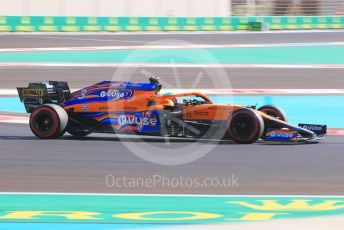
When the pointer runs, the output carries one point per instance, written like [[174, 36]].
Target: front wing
[[303, 133]]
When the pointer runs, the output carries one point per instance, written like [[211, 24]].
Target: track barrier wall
[[117, 24]]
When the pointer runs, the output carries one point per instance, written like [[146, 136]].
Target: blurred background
[[189, 44], [171, 8]]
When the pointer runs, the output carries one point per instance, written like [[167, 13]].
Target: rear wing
[[55, 92]]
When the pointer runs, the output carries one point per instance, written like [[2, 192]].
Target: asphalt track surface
[[117, 39], [247, 78], [81, 165]]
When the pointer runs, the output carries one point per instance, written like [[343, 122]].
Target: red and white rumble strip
[[335, 132], [260, 91], [14, 119], [25, 120]]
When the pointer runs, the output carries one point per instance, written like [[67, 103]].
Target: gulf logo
[[281, 135], [116, 94]]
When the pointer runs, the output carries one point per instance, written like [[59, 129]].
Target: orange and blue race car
[[139, 108]]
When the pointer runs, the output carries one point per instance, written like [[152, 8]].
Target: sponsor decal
[[190, 114], [104, 108], [129, 108], [134, 121], [32, 92], [111, 108], [83, 93], [318, 129], [216, 107], [312, 127], [116, 94], [201, 113], [281, 135], [85, 96], [84, 107], [117, 85], [133, 85]]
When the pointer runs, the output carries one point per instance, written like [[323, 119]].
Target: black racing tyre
[[48, 121], [274, 111], [77, 133], [245, 126]]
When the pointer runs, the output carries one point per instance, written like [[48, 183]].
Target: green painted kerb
[[113, 24], [161, 209], [271, 55]]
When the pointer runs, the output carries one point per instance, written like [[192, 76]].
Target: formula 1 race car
[[139, 108]]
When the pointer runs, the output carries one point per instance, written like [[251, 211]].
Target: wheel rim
[[44, 122], [243, 126]]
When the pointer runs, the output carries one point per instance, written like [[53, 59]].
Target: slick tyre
[[245, 126], [48, 121], [274, 111]]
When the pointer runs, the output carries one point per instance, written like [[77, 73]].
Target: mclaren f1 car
[[139, 108]]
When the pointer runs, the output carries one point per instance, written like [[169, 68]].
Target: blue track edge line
[[327, 110]]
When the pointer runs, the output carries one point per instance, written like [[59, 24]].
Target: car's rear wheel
[[274, 111], [245, 126], [48, 121]]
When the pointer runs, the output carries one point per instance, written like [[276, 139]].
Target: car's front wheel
[[274, 111], [245, 126]]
